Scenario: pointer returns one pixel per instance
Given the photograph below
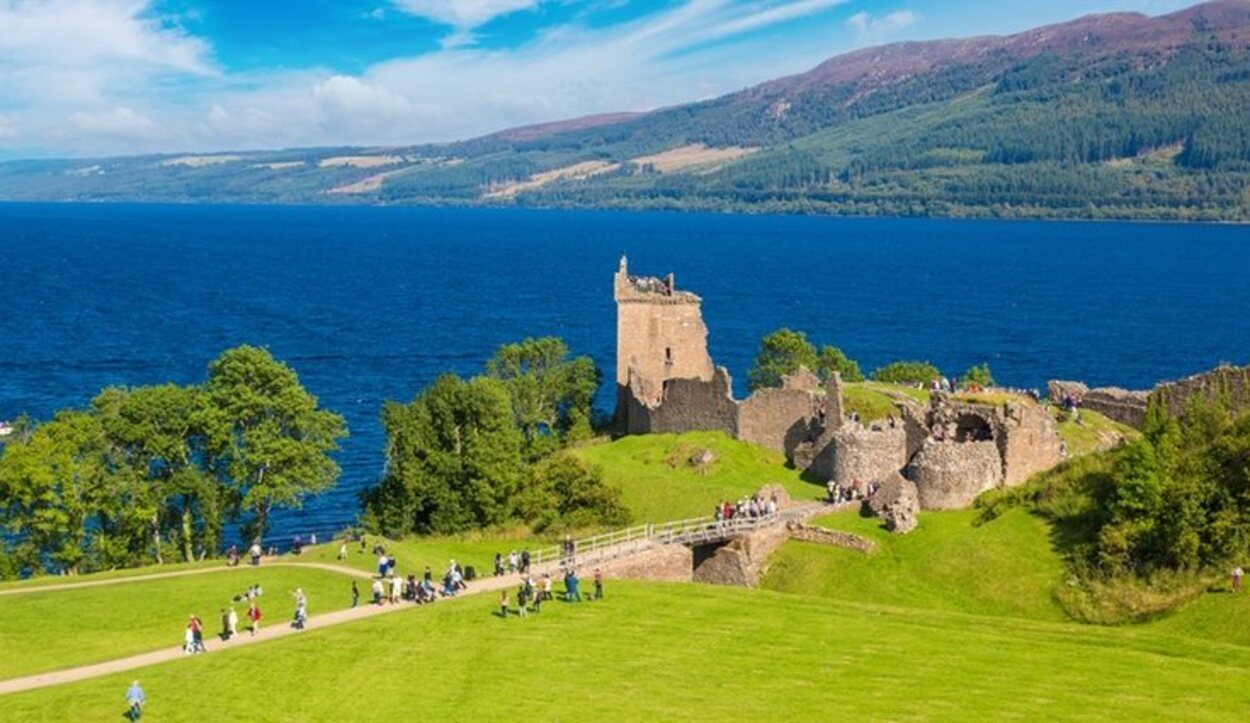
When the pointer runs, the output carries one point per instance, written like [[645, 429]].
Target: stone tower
[[659, 336]]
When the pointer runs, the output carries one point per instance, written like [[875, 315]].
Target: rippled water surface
[[370, 304]]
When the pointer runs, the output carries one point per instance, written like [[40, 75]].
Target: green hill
[[680, 652], [1107, 116], [660, 483]]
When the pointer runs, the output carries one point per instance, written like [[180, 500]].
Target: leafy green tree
[[832, 359], [453, 459], [51, 485], [563, 491], [781, 352], [270, 440], [979, 376], [155, 433], [551, 394], [907, 372]]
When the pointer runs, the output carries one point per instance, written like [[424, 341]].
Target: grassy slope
[[60, 629], [45, 580], [664, 652], [1092, 432], [875, 400], [656, 491], [1005, 567], [414, 553]]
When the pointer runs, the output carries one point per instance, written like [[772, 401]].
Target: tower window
[[668, 355]]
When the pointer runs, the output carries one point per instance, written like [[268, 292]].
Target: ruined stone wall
[[1028, 441], [862, 454], [1121, 405], [950, 475], [1224, 385], [688, 405], [667, 563], [742, 561], [821, 536], [778, 419]]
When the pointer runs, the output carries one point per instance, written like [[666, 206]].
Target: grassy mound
[[57, 629], [876, 400], [1092, 432], [1005, 567], [670, 652], [659, 482]]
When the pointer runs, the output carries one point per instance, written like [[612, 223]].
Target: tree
[[156, 434], [832, 359], [453, 459], [550, 393], [563, 490], [781, 352], [978, 376], [907, 372], [270, 440], [51, 484]]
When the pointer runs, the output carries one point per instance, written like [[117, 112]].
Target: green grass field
[[876, 400], [50, 630], [659, 485], [680, 652], [1005, 567], [1092, 432]]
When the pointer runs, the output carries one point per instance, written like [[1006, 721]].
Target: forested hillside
[[1110, 116]]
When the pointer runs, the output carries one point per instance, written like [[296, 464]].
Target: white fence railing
[[611, 545]]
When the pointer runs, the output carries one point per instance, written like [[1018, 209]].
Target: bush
[[979, 376], [907, 372]]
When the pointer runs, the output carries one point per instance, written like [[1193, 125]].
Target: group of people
[[390, 588], [837, 493], [531, 595], [516, 563], [193, 641], [753, 506]]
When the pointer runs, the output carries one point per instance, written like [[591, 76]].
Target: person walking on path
[[525, 562], [598, 584], [383, 563], [1237, 573], [521, 600], [355, 594], [197, 634], [343, 550], [503, 604], [253, 615], [255, 553], [135, 700], [225, 625], [377, 591], [232, 621], [571, 584]]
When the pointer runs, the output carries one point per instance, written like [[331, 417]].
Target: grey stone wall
[[950, 475]]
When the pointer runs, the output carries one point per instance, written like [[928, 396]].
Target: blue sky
[[93, 77]]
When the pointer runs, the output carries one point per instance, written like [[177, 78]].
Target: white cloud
[[155, 88], [463, 16], [869, 28], [117, 122]]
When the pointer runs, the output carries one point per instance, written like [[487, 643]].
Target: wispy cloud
[[869, 28], [463, 16]]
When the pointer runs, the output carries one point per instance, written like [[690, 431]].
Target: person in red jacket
[[253, 614]]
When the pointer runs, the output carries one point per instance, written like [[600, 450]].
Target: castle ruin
[[952, 449]]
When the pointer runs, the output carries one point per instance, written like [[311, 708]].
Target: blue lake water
[[370, 304]]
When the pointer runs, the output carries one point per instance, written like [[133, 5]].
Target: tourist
[[188, 640], [598, 584], [254, 551], [232, 621], [1237, 573], [383, 563], [377, 591], [503, 605], [197, 630], [538, 599], [525, 562], [546, 586], [572, 591], [135, 700], [312, 539], [513, 561], [225, 625], [232, 556], [772, 506], [355, 594], [343, 550], [253, 615], [521, 600], [397, 587], [427, 576], [498, 564], [297, 545]]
